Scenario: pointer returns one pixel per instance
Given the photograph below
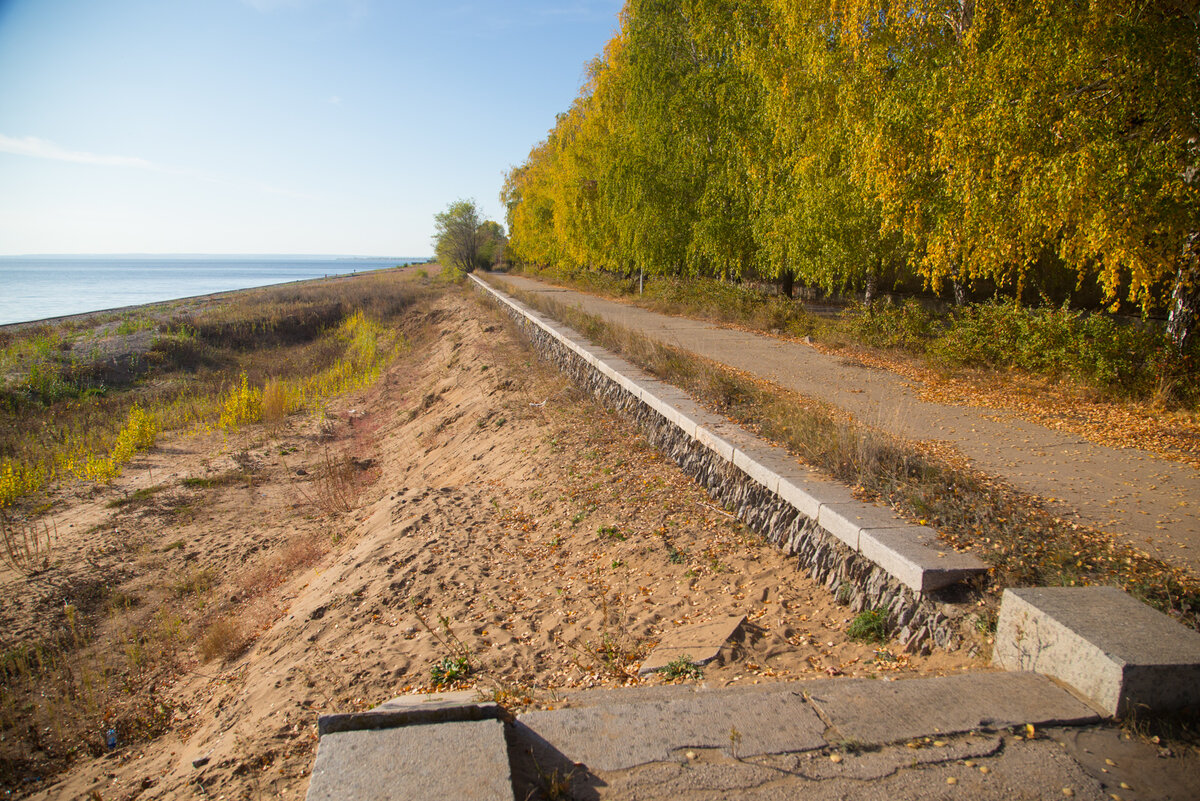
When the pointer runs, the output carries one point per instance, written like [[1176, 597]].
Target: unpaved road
[[1147, 501]]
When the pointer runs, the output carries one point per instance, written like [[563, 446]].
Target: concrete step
[[1122, 655], [607, 732], [465, 760], [436, 746]]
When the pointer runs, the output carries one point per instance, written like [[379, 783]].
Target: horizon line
[[147, 255]]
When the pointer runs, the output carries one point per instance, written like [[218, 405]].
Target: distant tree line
[[964, 148]]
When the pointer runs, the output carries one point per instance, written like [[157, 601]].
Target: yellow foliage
[[242, 405], [274, 402], [94, 456], [17, 479], [138, 434]]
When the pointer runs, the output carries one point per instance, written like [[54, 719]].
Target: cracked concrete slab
[[876, 712], [616, 736], [1019, 770]]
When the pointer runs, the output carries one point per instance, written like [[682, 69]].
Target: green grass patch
[[611, 533], [450, 669], [870, 625], [136, 497], [681, 668]]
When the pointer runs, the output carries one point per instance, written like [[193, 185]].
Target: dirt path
[[1151, 503]]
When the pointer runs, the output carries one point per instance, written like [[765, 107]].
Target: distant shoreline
[[205, 296]]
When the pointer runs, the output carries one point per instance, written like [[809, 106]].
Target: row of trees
[[843, 144]]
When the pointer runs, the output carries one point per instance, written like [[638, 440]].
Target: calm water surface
[[37, 288]]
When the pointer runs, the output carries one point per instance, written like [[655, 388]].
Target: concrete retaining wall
[[808, 518]]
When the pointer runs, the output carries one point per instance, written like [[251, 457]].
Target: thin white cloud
[[34, 147], [41, 149]]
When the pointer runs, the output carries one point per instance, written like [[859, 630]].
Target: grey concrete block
[[616, 736], [803, 490], [1112, 649], [717, 439], [917, 558], [681, 411], [762, 463], [408, 710], [466, 760], [846, 520], [666, 409], [878, 712]]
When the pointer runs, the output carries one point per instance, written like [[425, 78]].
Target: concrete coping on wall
[[911, 554]]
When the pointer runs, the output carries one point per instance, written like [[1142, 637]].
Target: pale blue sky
[[272, 126]]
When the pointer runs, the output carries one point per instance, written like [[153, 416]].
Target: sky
[[334, 127]]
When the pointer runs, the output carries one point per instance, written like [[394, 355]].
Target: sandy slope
[[482, 483]]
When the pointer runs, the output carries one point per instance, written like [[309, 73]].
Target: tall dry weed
[[274, 402], [27, 545], [336, 485]]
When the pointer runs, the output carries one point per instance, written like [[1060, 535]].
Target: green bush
[[869, 625], [909, 326], [1123, 357], [681, 668]]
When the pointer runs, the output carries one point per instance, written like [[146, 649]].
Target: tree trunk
[[872, 288], [960, 292], [788, 282], [1185, 296], [958, 288]]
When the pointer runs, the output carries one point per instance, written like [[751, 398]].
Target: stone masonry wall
[[918, 621]]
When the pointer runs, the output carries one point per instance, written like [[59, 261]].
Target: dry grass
[[265, 576], [274, 402], [28, 545], [62, 411], [222, 640], [1024, 544], [336, 484]]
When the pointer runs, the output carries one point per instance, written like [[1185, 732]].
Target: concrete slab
[[408, 710], [716, 438], [617, 736], [464, 760], [701, 643], [846, 520], [1111, 648], [915, 556], [804, 490], [878, 712], [602, 696], [1016, 769], [760, 463]]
